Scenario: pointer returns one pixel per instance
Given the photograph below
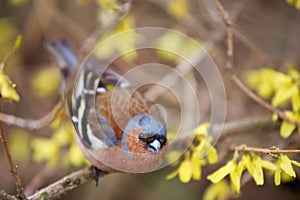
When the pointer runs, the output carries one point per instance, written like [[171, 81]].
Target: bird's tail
[[66, 58]]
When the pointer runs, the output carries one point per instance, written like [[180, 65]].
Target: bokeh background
[[267, 34]]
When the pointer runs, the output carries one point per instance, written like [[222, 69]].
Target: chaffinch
[[115, 129]]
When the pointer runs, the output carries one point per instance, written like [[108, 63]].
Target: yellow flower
[[286, 165], [185, 171], [64, 134], [46, 82], [178, 8], [45, 150], [218, 175], [267, 82], [123, 40], [108, 5], [173, 51], [296, 3], [254, 167], [216, 191], [191, 167], [285, 169], [202, 129], [18, 144], [74, 156], [286, 128], [7, 88]]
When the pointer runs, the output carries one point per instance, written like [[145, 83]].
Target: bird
[[118, 130]]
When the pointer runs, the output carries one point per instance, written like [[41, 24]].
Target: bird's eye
[[142, 137]]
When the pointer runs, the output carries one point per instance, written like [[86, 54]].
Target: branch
[[183, 68], [12, 166], [38, 180], [242, 126], [228, 23], [269, 151], [229, 65], [5, 196], [245, 126], [108, 22], [11, 52], [64, 185], [31, 124], [260, 101]]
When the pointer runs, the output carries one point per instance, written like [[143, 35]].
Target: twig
[[228, 23], [5, 196], [12, 166], [108, 22], [248, 43], [182, 68], [260, 101], [189, 22], [64, 185], [235, 78], [244, 126], [40, 178], [31, 124], [269, 151], [11, 53]]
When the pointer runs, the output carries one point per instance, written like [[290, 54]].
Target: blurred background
[[266, 34]]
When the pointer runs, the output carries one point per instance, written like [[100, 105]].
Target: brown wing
[[119, 106]]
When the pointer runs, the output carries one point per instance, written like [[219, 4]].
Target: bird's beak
[[154, 146]]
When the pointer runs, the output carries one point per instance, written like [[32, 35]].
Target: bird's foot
[[97, 173]]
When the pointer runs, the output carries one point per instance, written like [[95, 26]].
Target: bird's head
[[144, 132]]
